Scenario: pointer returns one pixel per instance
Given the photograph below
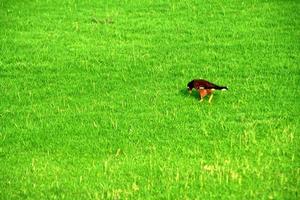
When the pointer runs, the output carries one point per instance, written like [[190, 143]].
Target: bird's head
[[190, 86]]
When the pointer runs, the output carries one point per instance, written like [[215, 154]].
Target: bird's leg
[[210, 98], [201, 95]]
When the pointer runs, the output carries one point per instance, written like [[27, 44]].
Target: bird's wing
[[203, 84]]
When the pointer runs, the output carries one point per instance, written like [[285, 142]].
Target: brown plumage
[[204, 88]]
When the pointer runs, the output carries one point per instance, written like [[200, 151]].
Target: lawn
[[93, 100]]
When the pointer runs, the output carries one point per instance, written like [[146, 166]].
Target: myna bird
[[204, 88]]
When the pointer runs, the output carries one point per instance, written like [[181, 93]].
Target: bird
[[204, 88]]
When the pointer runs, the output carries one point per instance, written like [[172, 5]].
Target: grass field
[[93, 100]]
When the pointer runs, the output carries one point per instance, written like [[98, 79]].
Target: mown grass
[[94, 106]]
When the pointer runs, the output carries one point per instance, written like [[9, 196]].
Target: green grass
[[93, 101]]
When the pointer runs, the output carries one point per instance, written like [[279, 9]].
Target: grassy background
[[93, 102]]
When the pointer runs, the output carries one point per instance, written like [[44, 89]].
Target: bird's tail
[[221, 87]]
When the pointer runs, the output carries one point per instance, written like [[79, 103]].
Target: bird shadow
[[185, 93]]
